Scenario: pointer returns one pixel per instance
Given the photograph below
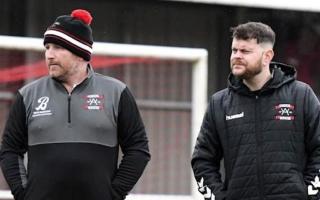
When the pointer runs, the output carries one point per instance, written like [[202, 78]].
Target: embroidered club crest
[[93, 102], [285, 112]]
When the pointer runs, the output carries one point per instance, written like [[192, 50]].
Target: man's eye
[[245, 51]]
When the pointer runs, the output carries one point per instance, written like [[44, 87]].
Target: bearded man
[[265, 126]]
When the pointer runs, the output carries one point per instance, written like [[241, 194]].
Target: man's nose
[[49, 53], [237, 54]]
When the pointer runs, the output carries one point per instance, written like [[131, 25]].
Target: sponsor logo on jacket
[[42, 107], [235, 116]]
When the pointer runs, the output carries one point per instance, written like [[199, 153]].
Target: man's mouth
[[53, 64]]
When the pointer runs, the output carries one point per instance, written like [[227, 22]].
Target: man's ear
[[80, 58], [267, 57]]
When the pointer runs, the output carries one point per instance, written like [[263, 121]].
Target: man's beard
[[249, 73]]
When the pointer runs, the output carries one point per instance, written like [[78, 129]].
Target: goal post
[[198, 59]]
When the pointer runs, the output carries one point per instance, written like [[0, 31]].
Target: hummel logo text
[[236, 116]]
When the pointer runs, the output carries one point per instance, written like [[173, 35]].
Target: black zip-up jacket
[[73, 140], [269, 140]]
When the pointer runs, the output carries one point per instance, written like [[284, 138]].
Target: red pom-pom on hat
[[82, 15]]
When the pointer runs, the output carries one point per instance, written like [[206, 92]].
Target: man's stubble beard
[[250, 73]]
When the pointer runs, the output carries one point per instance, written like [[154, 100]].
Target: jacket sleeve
[[14, 145], [134, 145], [207, 156], [312, 138]]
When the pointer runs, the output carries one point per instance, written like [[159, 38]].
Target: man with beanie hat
[[71, 123]]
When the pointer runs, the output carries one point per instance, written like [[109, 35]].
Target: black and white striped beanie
[[72, 32]]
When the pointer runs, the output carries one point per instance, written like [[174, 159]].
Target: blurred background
[[162, 87]]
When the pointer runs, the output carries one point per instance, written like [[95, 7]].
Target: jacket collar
[[281, 75], [82, 84]]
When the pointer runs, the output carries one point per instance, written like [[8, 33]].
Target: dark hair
[[254, 30]]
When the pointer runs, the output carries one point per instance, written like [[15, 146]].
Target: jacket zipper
[[69, 108], [259, 148]]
